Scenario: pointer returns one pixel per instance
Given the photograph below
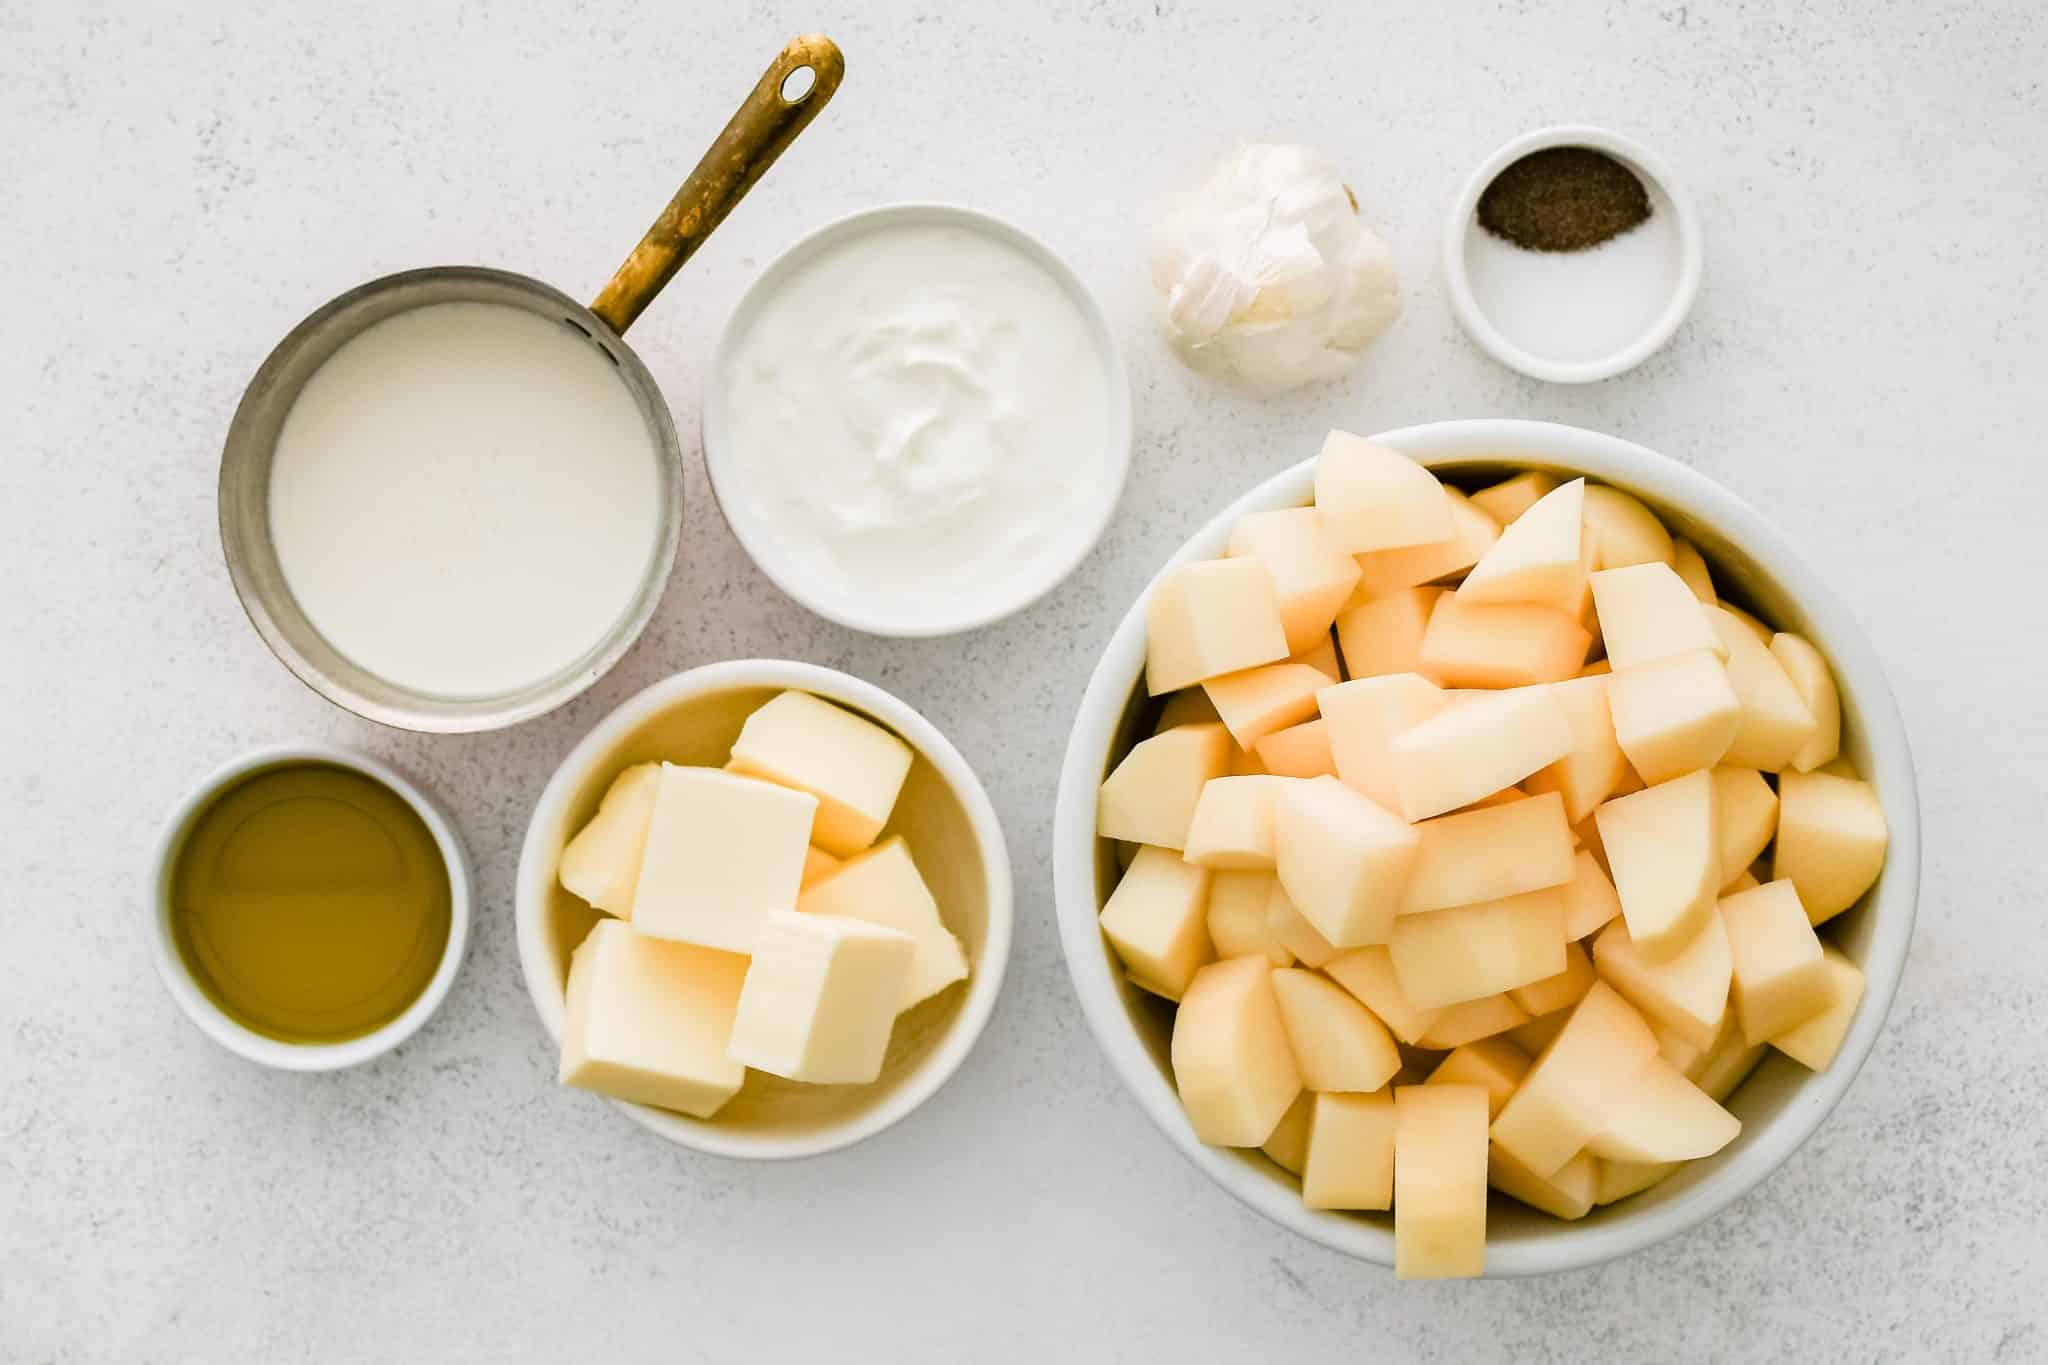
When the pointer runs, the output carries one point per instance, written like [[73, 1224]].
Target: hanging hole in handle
[[798, 84]]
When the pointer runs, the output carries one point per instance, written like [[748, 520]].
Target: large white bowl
[[1780, 1105], [944, 814]]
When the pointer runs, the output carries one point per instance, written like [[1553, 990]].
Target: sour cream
[[918, 425]]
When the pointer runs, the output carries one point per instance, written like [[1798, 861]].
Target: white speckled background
[[178, 188]]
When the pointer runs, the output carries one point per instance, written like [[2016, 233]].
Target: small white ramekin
[[210, 1018], [769, 551], [1464, 221], [692, 717]]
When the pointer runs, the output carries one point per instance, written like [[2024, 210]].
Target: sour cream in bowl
[[918, 421]]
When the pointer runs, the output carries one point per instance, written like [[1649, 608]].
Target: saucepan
[[788, 96]]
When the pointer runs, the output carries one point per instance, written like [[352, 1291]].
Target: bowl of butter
[[764, 909]]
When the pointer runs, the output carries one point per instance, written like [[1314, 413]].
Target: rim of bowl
[[1570, 1246], [536, 875], [238, 1038], [1461, 224], [718, 457]]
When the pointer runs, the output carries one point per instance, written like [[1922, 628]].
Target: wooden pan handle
[[759, 131]]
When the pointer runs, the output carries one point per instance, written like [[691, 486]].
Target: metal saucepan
[[781, 105]]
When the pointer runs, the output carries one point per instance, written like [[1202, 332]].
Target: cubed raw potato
[[1815, 685], [1781, 980], [1472, 534], [1567, 1193], [1286, 927], [1763, 633], [1447, 956], [1231, 1060], [818, 865], [1687, 994], [1209, 618], [1469, 1021], [1495, 1065], [853, 766], [1814, 1043], [1675, 1049], [1536, 1035], [1665, 855], [1350, 1158], [1157, 921], [1513, 645], [1312, 576], [1594, 767], [1775, 722], [1623, 531], [722, 852], [821, 997], [1322, 657], [1662, 1116], [1233, 826], [883, 886], [1498, 849], [1298, 751], [1464, 752], [1439, 1181], [602, 863], [1288, 1147], [1745, 817], [648, 1021], [1831, 840], [1368, 973], [1647, 613], [1237, 917], [1746, 880], [1560, 991], [1619, 1179], [1728, 1064], [1364, 716], [1151, 796], [1839, 766], [1342, 859], [1590, 900], [1258, 701], [1690, 566], [1564, 1100], [1189, 706], [1599, 668], [1508, 499], [1383, 635], [1537, 559], [1375, 498], [1337, 1043], [1674, 716]]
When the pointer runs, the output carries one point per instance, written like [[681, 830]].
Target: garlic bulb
[[1268, 275]]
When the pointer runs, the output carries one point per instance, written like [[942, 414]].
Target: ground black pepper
[[1563, 199]]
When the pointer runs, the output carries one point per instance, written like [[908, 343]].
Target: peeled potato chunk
[[1257, 701], [1350, 1157], [1337, 1043], [1151, 796], [1566, 1193], [1448, 956], [1623, 531], [1814, 1043], [1560, 991], [1495, 1065], [1209, 618], [1287, 927], [1472, 532], [1662, 1116], [1364, 717], [1508, 499], [1157, 922], [1469, 1021], [1538, 559], [1831, 840], [1666, 859], [1745, 818], [1368, 973], [1508, 645], [1237, 916], [1647, 613], [1231, 1059], [1232, 828], [1687, 994], [1590, 900], [1384, 634], [1485, 742], [1781, 979], [1688, 564], [1594, 767], [1298, 751], [1675, 715], [1619, 1179], [1189, 706], [1775, 722], [1312, 576], [1439, 1181], [1372, 497], [1810, 677], [1342, 859], [1288, 1146], [1564, 1101], [1519, 844]]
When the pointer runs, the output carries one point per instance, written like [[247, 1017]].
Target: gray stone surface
[[180, 183]]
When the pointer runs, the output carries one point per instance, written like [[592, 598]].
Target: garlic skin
[[1267, 274]]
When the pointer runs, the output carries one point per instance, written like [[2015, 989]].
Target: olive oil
[[310, 903]]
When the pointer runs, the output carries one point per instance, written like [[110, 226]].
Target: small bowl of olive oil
[[308, 907]]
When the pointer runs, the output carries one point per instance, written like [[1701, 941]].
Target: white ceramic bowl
[[693, 717], [1780, 1105], [769, 546], [210, 1018], [1668, 198]]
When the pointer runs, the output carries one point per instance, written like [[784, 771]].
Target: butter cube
[[1469, 1021], [1298, 751], [1312, 575], [1666, 858], [1781, 979], [821, 998], [1687, 994], [1495, 1065], [883, 886], [722, 852], [1594, 767], [1471, 750], [1538, 558], [1745, 818], [1507, 645], [1349, 1162], [1337, 1043], [1375, 498], [1647, 613], [1231, 1060], [1810, 677], [1814, 1043], [1472, 534], [1508, 499], [1257, 701], [1151, 796], [1383, 635], [853, 766], [1237, 917], [1342, 859], [1564, 1101], [1831, 840], [1520, 844], [1368, 973], [1775, 723], [649, 1021], [1364, 715], [1209, 618], [602, 863], [1439, 1181], [1156, 920], [1233, 826], [1674, 716], [1448, 956]]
